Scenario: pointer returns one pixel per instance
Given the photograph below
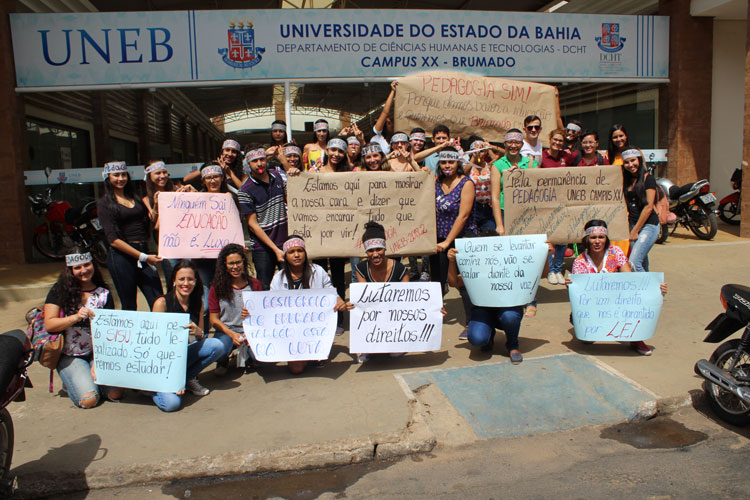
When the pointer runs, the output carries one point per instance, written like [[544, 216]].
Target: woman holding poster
[[600, 256], [69, 305], [185, 295], [298, 272]]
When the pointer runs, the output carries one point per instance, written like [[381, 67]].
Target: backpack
[[47, 346], [661, 207]]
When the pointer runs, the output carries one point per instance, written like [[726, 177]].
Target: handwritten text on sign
[[501, 271], [140, 350], [197, 225], [290, 325], [471, 105], [615, 306], [559, 202], [396, 317], [330, 211]]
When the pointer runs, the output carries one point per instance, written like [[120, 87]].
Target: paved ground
[[346, 412]]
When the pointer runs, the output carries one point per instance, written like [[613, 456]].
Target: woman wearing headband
[[372, 158], [314, 152], [274, 152], [400, 158], [298, 272], [417, 140], [640, 193], [600, 256], [126, 225], [69, 305], [230, 160], [480, 170]]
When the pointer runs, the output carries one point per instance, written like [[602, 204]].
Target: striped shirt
[[268, 202]]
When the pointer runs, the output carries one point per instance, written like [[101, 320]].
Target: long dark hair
[[222, 281], [68, 288], [593, 223], [223, 188], [640, 180], [306, 267], [151, 187], [111, 200], [459, 169], [195, 301], [344, 166], [611, 146]]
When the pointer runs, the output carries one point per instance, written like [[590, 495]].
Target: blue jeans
[[75, 372], [556, 261], [639, 248], [200, 354], [484, 321], [485, 219], [265, 263], [353, 261], [128, 278]]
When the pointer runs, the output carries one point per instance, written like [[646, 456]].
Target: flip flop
[[516, 357], [530, 311]]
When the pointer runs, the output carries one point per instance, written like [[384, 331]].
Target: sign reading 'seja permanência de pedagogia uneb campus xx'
[[141, 48]]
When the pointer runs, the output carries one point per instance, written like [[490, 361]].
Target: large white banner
[[141, 48], [395, 317]]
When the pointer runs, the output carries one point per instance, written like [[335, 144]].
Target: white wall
[[727, 102]]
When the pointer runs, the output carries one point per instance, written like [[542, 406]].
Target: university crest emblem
[[610, 41], [241, 51]]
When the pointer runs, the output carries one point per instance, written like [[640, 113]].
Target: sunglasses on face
[[533, 127]]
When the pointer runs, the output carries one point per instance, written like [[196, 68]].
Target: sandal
[[516, 357], [530, 311]]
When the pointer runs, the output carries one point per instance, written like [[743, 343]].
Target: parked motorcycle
[[62, 221], [729, 206], [693, 204], [15, 357], [727, 372]]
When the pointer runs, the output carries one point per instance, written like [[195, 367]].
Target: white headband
[[596, 230], [211, 170], [255, 154], [630, 153], [320, 126], [477, 145], [76, 259], [292, 150], [352, 140], [154, 167], [573, 127], [291, 243], [374, 243], [372, 148], [399, 138], [112, 167], [418, 136], [448, 155], [336, 143], [231, 144], [514, 136], [278, 126]]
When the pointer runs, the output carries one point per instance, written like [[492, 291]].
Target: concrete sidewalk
[[343, 412]]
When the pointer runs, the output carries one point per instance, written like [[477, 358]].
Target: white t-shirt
[[535, 151], [378, 137]]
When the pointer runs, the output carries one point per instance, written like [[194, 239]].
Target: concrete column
[[745, 207], [15, 247], [689, 101]]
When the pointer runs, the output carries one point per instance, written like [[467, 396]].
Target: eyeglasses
[[533, 127], [235, 264]]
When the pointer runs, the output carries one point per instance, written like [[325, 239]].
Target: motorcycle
[[61, 221], [727, 372], [15, 357], [729, 206], [693, 205]]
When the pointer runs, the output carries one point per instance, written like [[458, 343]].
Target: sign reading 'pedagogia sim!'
[[141, 48]]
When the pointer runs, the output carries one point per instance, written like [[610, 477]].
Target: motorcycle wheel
[[99, 247], [51, 248], [663, 233], [730, 213], [725, 404], [6, 443], [702, 221]]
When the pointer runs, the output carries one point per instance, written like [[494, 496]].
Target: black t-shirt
[[129, 224], [173, 306], [53, 297], [635, 206], [397, 273]]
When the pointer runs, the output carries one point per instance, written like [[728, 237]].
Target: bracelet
[[143, 257]]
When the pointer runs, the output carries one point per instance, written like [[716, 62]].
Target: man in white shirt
[[532, 147]]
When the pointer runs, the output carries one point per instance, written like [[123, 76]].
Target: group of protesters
[[468, 200]]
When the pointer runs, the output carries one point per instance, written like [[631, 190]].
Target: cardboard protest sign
[[615, 306], [140, 350], [559, 202], [290, 325], [330, 211], [472, 105], [197, 225], [395, 317], [501, 271]]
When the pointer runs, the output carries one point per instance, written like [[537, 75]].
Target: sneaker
[[464, 334], [339, 330], [361, 358], [196, 388], [424, 277], [552, 278], [641, 348], [396, 354], [560, 278]]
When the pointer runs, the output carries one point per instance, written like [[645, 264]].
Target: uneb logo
[[241, 52], [610, 41]]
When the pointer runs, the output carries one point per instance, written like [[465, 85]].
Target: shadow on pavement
[[382, 362], [698, 397]]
